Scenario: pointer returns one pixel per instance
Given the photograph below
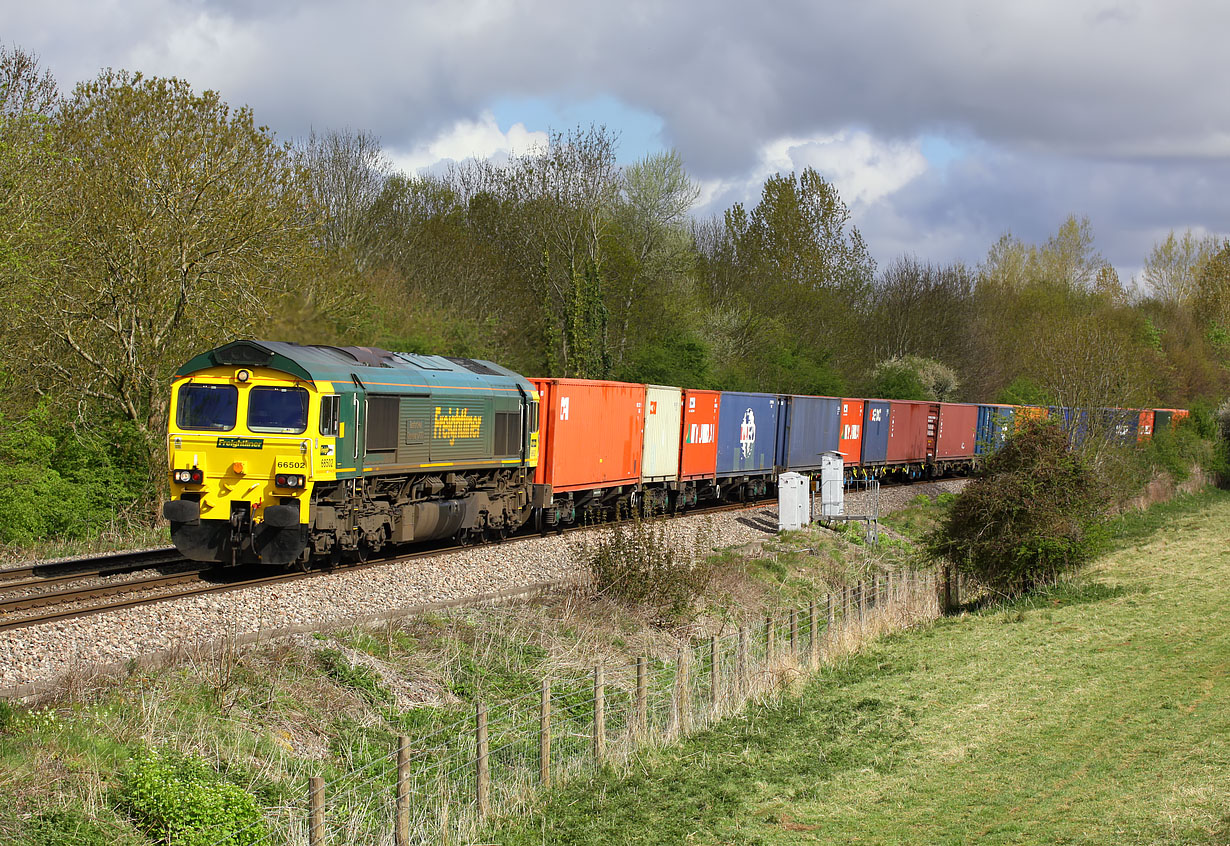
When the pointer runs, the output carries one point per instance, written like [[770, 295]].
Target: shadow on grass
[[1080, 592]]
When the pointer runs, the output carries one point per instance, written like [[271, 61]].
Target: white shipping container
[[663, 426]]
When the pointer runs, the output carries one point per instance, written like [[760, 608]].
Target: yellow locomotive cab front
[[246, 446]]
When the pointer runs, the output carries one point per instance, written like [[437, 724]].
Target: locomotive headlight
[[243, 375], [289, 480]]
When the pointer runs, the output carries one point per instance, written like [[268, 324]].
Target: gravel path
[[39, 653]]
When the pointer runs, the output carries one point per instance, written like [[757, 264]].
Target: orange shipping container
[[851, 443], [1028, 412], [590, 433], [1144, 428], [698, 457]]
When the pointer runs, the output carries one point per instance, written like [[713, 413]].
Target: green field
[[1098, 713]]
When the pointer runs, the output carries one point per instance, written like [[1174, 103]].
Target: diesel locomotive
[[280, 452]]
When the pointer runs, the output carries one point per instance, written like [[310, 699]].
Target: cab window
[[328, 416], [280, 410], [207, 407]]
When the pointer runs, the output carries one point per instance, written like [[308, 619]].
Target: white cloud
[[864, 169], [466, 139]]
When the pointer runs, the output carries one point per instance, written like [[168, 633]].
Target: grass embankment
[[259, 721], [1096, 713]]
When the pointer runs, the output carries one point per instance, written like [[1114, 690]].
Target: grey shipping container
[[808, 427]]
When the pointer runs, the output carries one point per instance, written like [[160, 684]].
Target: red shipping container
[[908, 432], [1144, 429], [851, 444], [590, 433], [698, 455], [957, 434]]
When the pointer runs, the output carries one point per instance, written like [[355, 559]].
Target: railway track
[[79, 601], [94, 565]]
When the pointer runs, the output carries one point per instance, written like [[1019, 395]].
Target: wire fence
[[442, 787]]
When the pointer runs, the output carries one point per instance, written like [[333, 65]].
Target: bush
[[57, 482], [1034, 513], [643, 565], [182, 801]]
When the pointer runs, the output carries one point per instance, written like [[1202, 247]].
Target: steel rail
[[93, 565]]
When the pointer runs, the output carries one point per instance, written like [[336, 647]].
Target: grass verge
[[1095, 713]]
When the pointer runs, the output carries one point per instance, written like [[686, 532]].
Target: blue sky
[[943, 125]]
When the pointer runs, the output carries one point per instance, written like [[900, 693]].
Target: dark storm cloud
[[1113, 78], [957, 213], [1112, 109]]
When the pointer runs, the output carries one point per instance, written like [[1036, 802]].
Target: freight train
[[282, 453]]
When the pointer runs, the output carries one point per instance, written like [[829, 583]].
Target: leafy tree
[[1033, 514], [184, 217], [915, 378], [1174, 264], [1212, 288]]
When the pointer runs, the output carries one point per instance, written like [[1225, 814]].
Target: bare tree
[[1173, 266], [25, 88], [347, 171]]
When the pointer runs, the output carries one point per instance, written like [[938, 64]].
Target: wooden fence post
[[642, 695], [483, 780], [875, 589], [599, 716], [544, 735], [316, 811], [713, 672], [813, 623], [401, 833], [683, 694], [847, 594], [794, 633], [744, 681]]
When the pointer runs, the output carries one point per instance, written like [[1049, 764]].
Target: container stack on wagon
[[995, 423], [747, 452], [808, 427], [956, 441], [699, 445], [591, 440], [850, 442]]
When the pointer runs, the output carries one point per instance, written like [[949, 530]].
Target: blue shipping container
[[747, 433], [1075, 422], [875, 432], [808, 427], [1121, 424], [994, 424]]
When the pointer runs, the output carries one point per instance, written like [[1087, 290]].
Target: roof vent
[[473, 366]]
